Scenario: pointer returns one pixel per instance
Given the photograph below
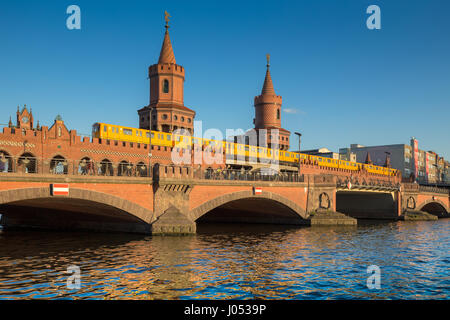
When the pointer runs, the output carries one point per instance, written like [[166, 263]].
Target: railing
[[433, 189], [61, 166], [242, 175], [380, 185]]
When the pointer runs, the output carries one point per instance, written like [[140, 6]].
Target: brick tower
[[268, 113], [24, 118], [166, 93]]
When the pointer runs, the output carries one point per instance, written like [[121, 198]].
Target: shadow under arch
[[243, 206], [82, 210], [436, 207]]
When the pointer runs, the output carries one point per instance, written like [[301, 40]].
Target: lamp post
[[437, 171], [299, 143]]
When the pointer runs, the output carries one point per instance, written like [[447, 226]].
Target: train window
[[168, 137], [105, 128], [297, 156], [128, 132]]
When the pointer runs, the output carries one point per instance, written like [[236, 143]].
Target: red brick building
[[56, 149]]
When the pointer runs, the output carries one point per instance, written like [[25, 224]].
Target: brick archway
[[437, 201], [206, 207], [131, 208]]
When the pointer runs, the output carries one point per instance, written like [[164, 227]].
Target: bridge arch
[[110, 208], [434, 206], [273, 198]]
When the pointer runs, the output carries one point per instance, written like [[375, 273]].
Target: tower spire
[[368, 159], [268, 85], [166, 55]]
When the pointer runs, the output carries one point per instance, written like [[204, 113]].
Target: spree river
[[232, 262]]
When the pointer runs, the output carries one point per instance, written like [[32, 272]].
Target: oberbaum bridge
[[135, 187]]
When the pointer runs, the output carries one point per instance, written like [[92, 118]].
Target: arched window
[[166, 86], [5, 162], [278, 114], [106, 168], [28, 163], [58, 165]]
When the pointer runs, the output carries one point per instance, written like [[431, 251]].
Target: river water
[[232, 262]]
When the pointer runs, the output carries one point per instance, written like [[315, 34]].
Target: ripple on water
[[253, 263]]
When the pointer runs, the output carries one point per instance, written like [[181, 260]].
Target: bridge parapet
[[176, 172], [59, 165], [431, 189]]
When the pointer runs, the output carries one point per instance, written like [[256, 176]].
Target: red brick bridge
[[175, 199]]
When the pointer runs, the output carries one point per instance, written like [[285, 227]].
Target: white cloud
[[293, 111], [287, 110]]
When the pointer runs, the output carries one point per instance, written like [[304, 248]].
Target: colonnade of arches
[[27, 162]]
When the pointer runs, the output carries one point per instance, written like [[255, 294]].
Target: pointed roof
[[368, 160], [387, 162], [268, 85], [166, 55]]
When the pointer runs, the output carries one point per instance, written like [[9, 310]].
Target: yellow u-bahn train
[[235, 153]]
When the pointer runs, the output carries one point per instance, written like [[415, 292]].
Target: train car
[[119, 133], [235, 152]]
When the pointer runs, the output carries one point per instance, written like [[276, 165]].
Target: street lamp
[[437, 171], [299, 142]]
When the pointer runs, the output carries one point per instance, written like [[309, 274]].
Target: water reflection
[[232, 262]]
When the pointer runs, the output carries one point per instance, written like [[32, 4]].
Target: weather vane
[[166, 17], [268, 59]]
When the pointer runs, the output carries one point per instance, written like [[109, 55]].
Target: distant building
[[323, 152], [425, 166]]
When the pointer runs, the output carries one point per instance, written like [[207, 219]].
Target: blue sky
[[346, 83]]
